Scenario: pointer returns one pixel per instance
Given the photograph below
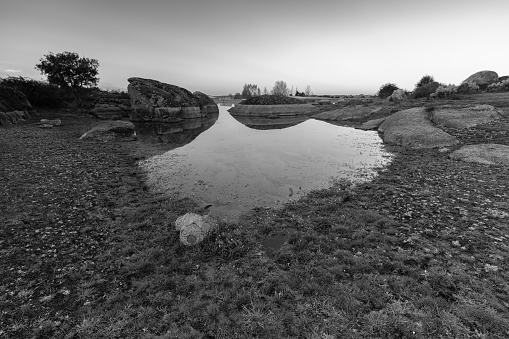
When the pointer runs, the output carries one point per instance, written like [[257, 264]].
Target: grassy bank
[[87, 250]]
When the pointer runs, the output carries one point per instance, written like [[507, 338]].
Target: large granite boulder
[[465, 117], [482, 79], [152, 100], [111, 131], [489, 154], [412, 128]]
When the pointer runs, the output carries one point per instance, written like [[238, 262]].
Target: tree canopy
[[69, 70], [280, 88]]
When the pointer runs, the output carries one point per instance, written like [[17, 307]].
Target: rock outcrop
[[482, 78], [372, 124], [112, 106], [412, 128], [489, 154], [14, 106], [396, 96], [194, 228], [347, 113], [465, 117], [152, 100], [111, 131], [273, 110]]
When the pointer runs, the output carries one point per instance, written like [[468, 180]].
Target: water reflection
[[236, 168], [278, 122], [175, 134]]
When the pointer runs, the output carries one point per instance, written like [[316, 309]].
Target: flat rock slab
[[465, 117], [412, 128], [273, 110], [372, 124], [111, 130], [489, 154], [347, 113]]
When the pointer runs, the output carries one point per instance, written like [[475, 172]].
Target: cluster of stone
[[152, 100]]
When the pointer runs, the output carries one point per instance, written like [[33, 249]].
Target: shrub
[[38, 93], [444, 91], [427, 79], [426, 89], [467, 88], [386, 90], [499, 86]]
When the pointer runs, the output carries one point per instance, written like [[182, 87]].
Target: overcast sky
[[216, 46]]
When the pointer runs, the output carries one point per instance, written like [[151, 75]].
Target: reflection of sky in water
[[236, 168]]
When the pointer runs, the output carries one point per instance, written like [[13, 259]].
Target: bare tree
[[307, 91], [280, 88]]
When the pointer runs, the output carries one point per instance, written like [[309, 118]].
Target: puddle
[[236, 168]]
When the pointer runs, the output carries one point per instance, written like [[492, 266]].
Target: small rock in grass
[[45, 126], [194, 228], [490, 268], [54, 122]]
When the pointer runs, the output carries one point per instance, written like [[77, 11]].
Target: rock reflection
[[264, 123], [174, 134]]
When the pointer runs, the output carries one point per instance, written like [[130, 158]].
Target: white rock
[[194, 228]]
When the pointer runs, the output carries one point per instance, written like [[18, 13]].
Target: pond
[[236, 164]]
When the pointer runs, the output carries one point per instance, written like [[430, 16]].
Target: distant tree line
[[280, 88]]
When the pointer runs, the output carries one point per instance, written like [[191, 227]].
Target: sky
[[217, 46]]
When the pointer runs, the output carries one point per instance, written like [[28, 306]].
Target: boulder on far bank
[[489, 154], [465, 117], [482, 78], [110, 131], [412, 128], [152, 100]]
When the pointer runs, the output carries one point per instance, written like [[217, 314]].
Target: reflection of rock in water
[[276, 122], [175, 134]]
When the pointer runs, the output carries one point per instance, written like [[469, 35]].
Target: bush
[[38, 93], [427, 79], [467, 88], [425, 90], [386, 90], [502, 86], [444, 91]]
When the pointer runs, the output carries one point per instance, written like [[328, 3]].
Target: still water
[[238, 164]]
